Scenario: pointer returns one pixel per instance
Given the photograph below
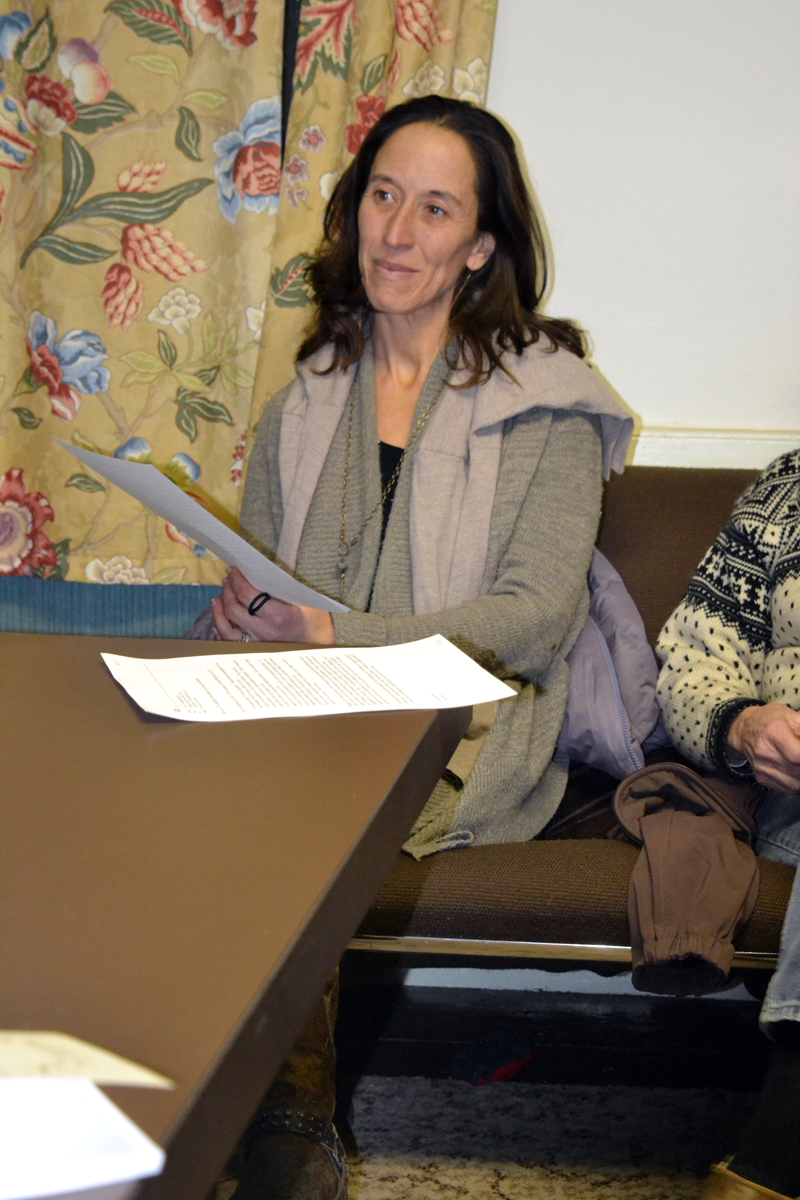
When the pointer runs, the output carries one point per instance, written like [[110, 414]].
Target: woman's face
[[417, 222]]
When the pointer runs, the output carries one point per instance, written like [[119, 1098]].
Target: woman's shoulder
[[772, 498], [782, 471], [550, 377], [546, 359], [545, 375], [270, 417]]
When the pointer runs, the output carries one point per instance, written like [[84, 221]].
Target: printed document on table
[[147, 484], [430, 673], [48, 1054]]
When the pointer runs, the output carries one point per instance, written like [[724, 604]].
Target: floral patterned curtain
[[153, 242]]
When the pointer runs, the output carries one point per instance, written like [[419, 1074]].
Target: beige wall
[[662, 137]]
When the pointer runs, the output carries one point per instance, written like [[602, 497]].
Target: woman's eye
[[436, 210]]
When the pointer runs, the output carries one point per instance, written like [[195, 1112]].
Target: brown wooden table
[[179, 893]]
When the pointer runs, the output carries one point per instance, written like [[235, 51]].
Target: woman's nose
[[398, 230]]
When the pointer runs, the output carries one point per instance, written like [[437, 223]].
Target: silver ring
[[245, 637]]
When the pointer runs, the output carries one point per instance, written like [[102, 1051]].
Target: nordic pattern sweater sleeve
[[718, 647]]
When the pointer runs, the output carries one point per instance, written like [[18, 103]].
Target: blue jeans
[[778, 838]]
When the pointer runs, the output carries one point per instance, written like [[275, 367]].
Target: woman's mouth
[[392, 269]]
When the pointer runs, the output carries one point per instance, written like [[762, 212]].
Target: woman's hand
[[274, 622], [768, 736]]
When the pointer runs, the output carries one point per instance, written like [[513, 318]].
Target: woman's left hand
[[274, 621]]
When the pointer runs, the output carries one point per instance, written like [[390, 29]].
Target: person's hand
[[768, 736], [274, 622]]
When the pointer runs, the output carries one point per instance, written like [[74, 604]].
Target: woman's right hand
[[274, 621], [768, 736]]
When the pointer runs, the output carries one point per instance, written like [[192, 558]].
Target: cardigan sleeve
[[713, 646], [518, 625]]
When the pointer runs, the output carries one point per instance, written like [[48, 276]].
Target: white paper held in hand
[[148, 485], [430, 673], [64, 1135]]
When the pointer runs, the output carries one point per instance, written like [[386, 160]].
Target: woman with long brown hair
[[437, 465]]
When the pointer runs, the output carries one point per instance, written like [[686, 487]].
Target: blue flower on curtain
[[248, 167], [181, 469], [12, 27], [67, 366], [136, 449]]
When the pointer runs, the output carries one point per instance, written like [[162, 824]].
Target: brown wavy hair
[[494, 308]]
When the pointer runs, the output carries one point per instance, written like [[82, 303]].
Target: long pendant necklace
[[344, 546]]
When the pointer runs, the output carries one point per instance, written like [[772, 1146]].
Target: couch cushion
[[555, 891], [29, 605], [658, 523]]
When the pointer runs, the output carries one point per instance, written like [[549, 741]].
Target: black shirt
[[390, 457]]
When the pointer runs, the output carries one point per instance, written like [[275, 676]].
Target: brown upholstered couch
[[567, 899]]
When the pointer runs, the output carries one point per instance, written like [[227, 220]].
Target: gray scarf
[[456, 462]]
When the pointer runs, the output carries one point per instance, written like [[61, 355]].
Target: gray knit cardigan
[[506, 779]]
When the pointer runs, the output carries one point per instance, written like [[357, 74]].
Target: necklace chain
[[345, 547]]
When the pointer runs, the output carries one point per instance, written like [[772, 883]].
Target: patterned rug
[[422, 1139]]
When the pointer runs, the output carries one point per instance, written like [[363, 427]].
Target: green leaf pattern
[[85, 483], [68, 251], [136, 208], [187, 138], [111, 111], [26, 418], [167, 348], [154, 20], [288, 286], [373, 73], [34, 51]]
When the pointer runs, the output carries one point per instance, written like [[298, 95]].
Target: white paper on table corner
[[49, 1054], [430, 673], [64, 1135], [148, 485]]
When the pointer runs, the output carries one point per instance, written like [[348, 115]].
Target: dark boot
[[291, 1150]]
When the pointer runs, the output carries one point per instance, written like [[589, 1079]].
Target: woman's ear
[[483, 251]]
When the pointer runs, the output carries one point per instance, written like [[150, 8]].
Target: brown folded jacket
[[695, 882]]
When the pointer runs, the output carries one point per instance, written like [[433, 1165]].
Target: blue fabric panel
[[116, 610]]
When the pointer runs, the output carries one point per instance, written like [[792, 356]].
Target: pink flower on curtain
[[122, 296], [312, 139], [141, 176], [175, 535], [50, 108], [154, 248], [296, 169], [24, 547], [394, 68], [256, 171], [237, 465], [415, 21], [370, 110], [296, 196], [230, 21]]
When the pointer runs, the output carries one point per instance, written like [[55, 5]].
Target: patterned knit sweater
[[735, 638]]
